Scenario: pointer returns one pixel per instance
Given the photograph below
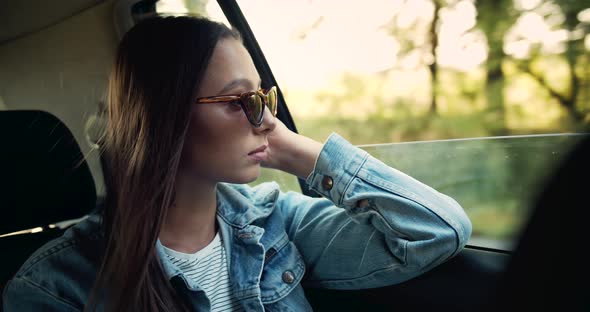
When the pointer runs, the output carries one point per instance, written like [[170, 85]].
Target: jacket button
[[288, 277], [327, 183], [363, 203]]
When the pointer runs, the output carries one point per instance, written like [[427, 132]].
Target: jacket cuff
[[336, 167]]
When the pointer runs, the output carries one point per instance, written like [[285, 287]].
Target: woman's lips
[[259, 154]]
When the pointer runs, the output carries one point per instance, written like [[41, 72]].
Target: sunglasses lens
[[272, 100], [255, 109]]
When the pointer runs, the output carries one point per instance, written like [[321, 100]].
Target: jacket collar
[[240, 205]]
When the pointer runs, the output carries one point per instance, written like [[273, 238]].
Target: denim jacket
[[373, 226]]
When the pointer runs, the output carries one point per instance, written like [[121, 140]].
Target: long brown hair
[[159, 65]]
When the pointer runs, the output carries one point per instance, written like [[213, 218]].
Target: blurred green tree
[[420, 37], [564, 15], [495, 18], [576, 32], [433, 66]]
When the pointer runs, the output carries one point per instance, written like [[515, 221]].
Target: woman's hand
[[291, 152]]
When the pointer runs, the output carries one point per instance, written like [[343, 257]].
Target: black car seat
[[44, 180], [549, 270]]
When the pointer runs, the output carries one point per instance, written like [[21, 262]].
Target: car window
[[496, 179], [506, 78]]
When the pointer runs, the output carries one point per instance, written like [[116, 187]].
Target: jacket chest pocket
[[282, 272]]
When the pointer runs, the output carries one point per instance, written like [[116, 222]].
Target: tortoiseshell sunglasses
[[252, 103]]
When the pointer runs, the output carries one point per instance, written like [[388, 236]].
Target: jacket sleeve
[[374, 226], [22, 295]]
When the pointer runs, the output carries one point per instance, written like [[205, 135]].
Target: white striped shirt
[[208, 268]]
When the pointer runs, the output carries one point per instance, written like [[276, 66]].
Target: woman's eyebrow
[[236, 83]]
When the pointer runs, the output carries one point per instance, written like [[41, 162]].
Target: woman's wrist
[[300, 155]]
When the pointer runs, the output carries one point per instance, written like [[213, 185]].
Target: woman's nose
[[268, 122]]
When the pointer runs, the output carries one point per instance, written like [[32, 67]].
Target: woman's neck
[[190, 224]]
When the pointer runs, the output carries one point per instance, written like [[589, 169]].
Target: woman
[[188, 126]]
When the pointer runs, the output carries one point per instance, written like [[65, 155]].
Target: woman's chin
[[247, 176]]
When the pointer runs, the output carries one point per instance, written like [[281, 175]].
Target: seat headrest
[[43, 176]]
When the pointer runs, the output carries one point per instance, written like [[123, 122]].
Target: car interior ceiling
[[46, 180]]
